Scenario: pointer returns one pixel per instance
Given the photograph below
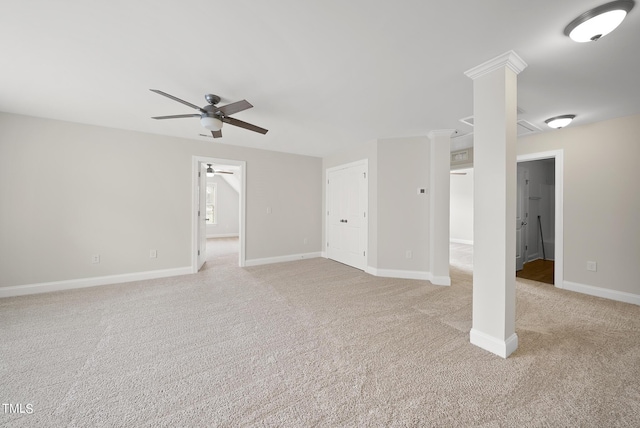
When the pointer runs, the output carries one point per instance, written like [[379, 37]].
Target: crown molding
[[509, 59]]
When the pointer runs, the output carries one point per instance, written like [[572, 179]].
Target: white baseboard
[[280, 259], [502, 348], [620, 296], [440, 280], [409, 274], [223, 235], [45, 287], [461, 241]]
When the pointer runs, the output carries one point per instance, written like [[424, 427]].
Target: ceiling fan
[[212, 116], [211, 172]]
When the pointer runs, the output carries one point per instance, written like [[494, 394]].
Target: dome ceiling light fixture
[[560, 121], [599, 21]]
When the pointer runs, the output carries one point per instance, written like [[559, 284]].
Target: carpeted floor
[[313, 343]]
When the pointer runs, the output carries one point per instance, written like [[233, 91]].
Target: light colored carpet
[[313, 343]]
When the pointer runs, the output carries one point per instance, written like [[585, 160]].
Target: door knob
[[524, 223]]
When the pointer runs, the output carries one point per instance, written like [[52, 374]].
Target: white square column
[[439, 205], [494, 207]]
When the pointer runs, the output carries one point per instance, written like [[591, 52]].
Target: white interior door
[[202, 211], [522, 217], [346, 218]]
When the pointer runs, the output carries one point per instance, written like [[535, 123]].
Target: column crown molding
[[440, 133], [508, 59]]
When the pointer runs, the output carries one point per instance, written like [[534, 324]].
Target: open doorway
[[224, 178], [535, 222], [542, 200], [461, 216]]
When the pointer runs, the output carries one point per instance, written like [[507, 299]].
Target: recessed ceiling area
[[322, 76]]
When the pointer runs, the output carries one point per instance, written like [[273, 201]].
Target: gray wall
[[68, 191], [601, 200], [403, 214]]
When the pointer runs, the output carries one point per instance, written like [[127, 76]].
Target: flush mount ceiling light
[[560, 121], [598, 22]]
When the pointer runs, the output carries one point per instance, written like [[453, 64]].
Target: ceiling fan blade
[[245, 125], [223, 172], [164, 94], [217, 134], [176, 116], [232, 108]]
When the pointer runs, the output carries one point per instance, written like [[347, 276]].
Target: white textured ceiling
[[322, 75]]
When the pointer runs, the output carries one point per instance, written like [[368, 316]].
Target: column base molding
[[502, 348]]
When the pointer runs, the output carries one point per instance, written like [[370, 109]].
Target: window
[[211, 203]]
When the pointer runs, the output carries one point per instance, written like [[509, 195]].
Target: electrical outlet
[[306, 241], [423, 191], [95, 258], [268, 210], [592, 266], [409, 254], [153, 254]]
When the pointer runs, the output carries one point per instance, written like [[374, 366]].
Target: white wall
[[68, 191], [601, 201], [461, 214], [227, 210]]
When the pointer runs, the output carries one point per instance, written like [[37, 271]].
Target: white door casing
[[202, 214], [347, 206], [522, 217], [198, 234]]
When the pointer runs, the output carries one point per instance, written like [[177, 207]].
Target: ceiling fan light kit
[[598, 22], [560, 121], [211, 123]]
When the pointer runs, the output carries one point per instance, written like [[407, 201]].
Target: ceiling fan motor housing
[[212, 99]]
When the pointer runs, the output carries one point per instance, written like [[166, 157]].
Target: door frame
[[524, 216], [558, 156], [196, 162], [365, 238]]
